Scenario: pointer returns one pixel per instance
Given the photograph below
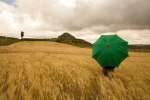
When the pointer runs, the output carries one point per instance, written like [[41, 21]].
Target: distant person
[[108, 71], [22, 34]]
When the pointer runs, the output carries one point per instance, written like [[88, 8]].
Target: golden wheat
[[53, 71]]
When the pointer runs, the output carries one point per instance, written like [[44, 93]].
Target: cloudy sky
[[84, 19]]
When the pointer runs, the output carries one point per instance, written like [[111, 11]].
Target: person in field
[[109, 51], [108, 71]]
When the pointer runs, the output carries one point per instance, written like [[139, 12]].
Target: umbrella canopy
[[110, 50]]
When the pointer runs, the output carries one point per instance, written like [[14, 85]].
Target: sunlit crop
[[53, 71]]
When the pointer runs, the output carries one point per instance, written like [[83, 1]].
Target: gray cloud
[[115, 15], [88, 19], [119, 14]]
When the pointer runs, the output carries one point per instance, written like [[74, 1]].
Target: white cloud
[[9, 26], [68, 3], [4, 6]]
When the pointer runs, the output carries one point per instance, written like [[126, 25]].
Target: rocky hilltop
[[66, 36]]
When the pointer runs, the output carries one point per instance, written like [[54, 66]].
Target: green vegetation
[[77, 42], [71, 40], [7, 40], [139, 48], [66, 38]]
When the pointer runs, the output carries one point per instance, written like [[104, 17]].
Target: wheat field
[[54, 71]]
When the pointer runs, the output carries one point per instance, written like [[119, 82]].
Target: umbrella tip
[[108, 45]]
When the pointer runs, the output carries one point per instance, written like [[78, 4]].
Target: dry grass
[[53, 71]]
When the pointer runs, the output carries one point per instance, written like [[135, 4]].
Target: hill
[[71, 40], [67, 38], [64, 38], [7, 40], [139, 48]]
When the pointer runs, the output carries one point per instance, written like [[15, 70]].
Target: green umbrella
[[110, 50]]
